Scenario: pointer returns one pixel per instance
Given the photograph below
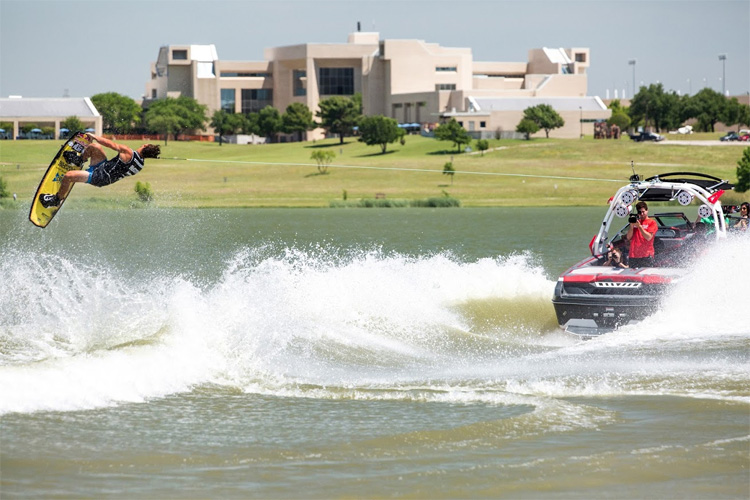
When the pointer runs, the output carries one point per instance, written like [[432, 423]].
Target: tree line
[[651, 107], [184, 115]]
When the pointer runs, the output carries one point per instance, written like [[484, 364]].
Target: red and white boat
[[591, 298]]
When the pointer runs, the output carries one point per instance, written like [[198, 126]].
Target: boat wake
[[314, 323]]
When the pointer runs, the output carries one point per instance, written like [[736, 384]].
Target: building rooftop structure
[[48, 112]]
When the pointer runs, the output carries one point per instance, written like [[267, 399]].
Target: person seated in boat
[[614, 259], [641, 236], [742, 224]]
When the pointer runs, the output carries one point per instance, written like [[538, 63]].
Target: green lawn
[[200, 174]]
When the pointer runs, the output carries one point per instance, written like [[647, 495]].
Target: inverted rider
[[102, 172]]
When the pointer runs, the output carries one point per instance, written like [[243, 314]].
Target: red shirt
[[639, 246]]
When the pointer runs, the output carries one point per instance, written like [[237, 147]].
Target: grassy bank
[[192, 174]]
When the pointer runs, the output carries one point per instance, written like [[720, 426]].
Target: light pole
[[723, 59], [580, 108], [632, 63]]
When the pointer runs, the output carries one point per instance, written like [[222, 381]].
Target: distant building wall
[[412, 81]]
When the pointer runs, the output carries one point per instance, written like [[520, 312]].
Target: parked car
[[731, 136], [647, 136], [744, 137]]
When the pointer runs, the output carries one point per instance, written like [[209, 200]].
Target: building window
[[253, 100], [235, 74], [420, 105], [227, 100], [336, 81], [446, 69], [396, 109], [179, 55], [298, 77], [445, 86], [581, 57], [482, 124], [153, 93]]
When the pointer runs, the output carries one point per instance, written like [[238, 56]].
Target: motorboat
[[592, 298]]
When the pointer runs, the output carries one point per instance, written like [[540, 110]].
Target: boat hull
[[591, 300]]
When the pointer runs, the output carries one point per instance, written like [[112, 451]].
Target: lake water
[[356, 353]]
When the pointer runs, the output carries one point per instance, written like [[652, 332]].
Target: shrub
[[437, 202], [620, 119], [483, 145], [4, 193], [323, 158], [144, 191], [449, 170]]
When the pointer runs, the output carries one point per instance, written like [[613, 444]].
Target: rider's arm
[[120, 148]]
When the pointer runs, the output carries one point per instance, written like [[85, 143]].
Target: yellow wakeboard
[[68, 158]]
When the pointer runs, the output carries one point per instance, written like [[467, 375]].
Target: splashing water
[[322, 323]]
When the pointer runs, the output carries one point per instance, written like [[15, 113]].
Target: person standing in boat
[[641, 236]]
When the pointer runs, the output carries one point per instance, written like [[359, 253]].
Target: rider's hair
[[150, 151]]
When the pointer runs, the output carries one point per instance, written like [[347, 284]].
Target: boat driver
[[641, 236]]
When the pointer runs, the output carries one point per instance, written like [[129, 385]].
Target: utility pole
[[632, 63]]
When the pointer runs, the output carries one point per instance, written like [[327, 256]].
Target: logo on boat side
[[617, 284]]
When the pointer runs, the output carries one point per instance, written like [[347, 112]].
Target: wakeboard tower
[[69, 157], [592, 298]]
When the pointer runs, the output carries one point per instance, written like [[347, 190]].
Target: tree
[[338, 115], [616, 106], [528, 127], [357, 100], [269, 122], [483, 145], [119, 113], [323, 158], [743, 172], [297, 119], [620, 119], [174, 116], [449, 170], [735, 113], [454, 132], [250, 124], [225, 123], [72, 123], [192, 114], [162, 118], [707, 107], [656, 108], [744, 116], [544, 116], [379, 130]]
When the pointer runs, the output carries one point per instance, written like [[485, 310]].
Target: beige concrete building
[[48, 112], [413, 81]]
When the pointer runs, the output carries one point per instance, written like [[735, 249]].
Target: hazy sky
[[81, 48]]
